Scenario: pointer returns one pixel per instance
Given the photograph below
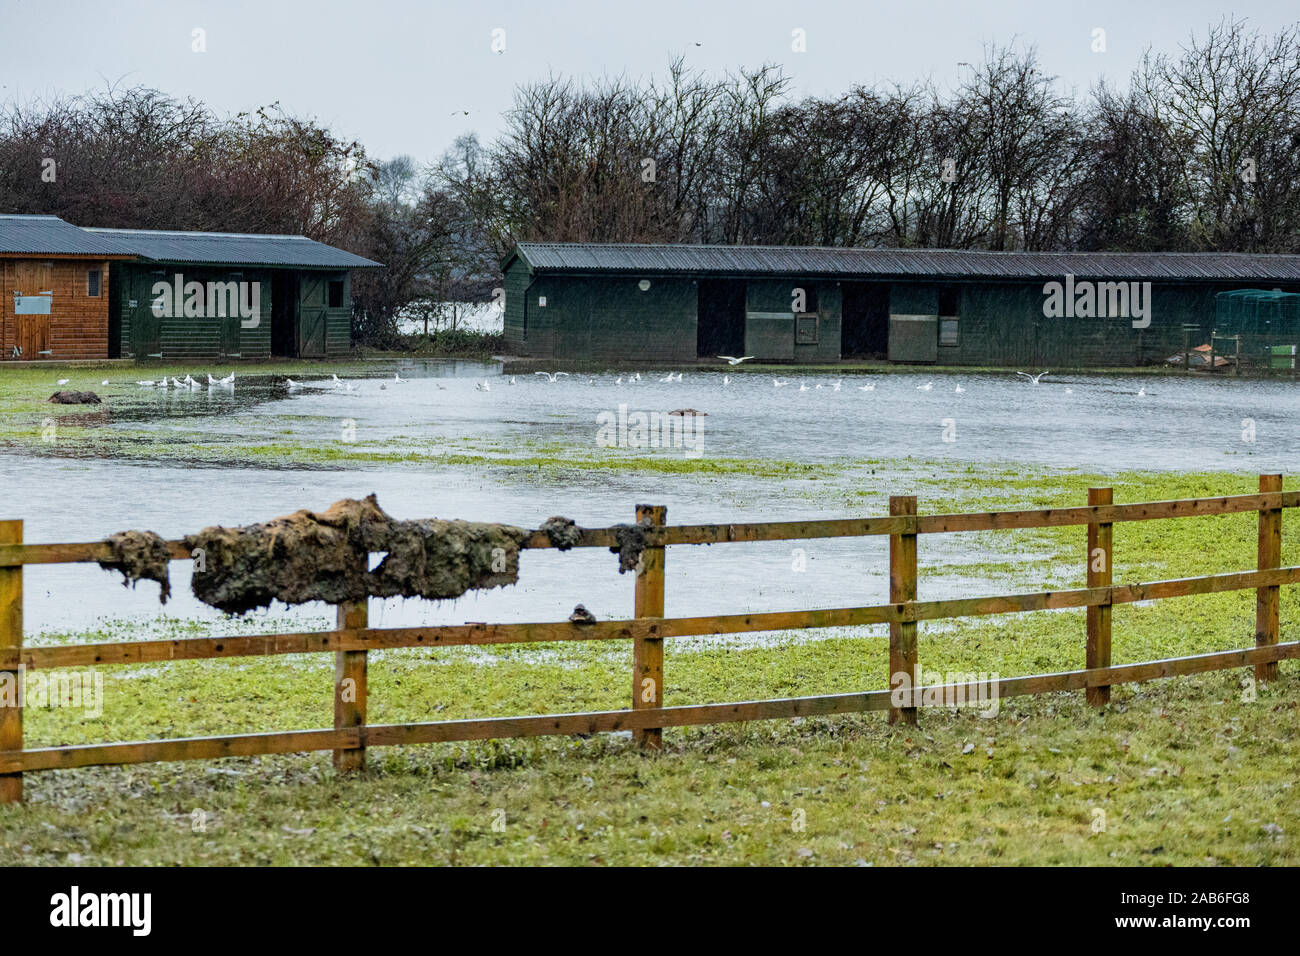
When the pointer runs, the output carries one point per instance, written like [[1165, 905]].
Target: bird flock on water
[[334, 383], [188, 383]]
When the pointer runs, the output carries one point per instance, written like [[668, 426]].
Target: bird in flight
[[551, 376], [732, 360], [1032, 378], [780, 382], [866, 388], [926, 387]]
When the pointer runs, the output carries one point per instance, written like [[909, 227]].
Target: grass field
[[1196, 771]]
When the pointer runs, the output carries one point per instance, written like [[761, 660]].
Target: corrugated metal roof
[[232, 248], [51, 236], [901, 263]]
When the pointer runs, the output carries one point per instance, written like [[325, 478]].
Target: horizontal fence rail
[[648, 629], [91, 551]]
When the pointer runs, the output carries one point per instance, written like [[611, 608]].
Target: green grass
[[1193, 771]]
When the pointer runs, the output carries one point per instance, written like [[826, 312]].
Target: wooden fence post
[[1100, 559], [648, 652], [11, 638], [1268, 599], [350, 689], [902, 588]]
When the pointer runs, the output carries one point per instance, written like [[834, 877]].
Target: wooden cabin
[[55, 303], [86, 293]]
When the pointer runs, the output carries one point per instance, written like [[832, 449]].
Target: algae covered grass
[[1193, 771]]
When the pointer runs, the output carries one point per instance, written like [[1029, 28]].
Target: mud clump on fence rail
[[562, 532], [140, 555], [432, 558], [325, 556], [631, 542]]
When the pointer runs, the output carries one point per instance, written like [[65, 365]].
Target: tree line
[[1200, 152]]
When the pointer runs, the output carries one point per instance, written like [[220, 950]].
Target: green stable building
[[214, 295], [680, 303]]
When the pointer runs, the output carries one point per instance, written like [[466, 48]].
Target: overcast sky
[[391, 73]]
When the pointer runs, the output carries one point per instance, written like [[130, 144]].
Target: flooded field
[[459, 439]]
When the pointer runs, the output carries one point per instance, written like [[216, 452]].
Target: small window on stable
[[92, 283], [336, 294], [948, 331]]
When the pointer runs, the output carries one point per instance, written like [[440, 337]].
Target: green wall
[[1001, 323], [770, 327], [602, 318], [132, 327], [913, 298], [516, 286]]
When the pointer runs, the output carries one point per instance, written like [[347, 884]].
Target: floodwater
[[1095, 423]]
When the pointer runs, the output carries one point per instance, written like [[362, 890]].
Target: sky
[[406, 77]]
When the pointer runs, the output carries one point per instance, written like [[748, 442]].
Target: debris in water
[[564, 534], [75, 398], [140, 555], [581, 615], [324, 556], [631, 542]]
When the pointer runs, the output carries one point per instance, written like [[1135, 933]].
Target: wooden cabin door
[[32, 332], [311, 316], [146, 328], [32, 336]]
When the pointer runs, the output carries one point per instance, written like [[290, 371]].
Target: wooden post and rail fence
[[648, 629]]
